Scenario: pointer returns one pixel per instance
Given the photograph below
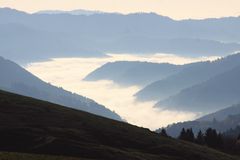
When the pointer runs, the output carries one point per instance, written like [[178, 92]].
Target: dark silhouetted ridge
[[32, 126]]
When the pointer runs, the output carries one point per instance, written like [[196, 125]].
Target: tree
[[238, 138], [237, 143], [163, 133], [200, 138], [219, 140], [186, 135], [190, 135], [212, 138], [182, 135]]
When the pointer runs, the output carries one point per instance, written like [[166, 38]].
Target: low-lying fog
[[69, 72]]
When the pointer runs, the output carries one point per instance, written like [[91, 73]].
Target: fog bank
[[69, 72]]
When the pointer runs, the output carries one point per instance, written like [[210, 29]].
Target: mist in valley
[[69, 72]]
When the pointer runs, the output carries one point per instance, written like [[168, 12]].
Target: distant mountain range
[[222, 114], [73, 12], [16, 79], [223, 121], [214, 94], [197, 87], [233, 132], [65, 35], [133, 73], [32, 126], [191, 75]]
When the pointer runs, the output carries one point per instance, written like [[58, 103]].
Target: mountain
[[233, 132], [209, 96], [37, 45], [73, 12], [192, 47], [224, 121], [16, 79], [230, 122], [222, 114], [191, 75], [53, 35], [132, 73], [31, 126]]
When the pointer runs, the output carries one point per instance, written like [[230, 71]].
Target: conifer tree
[[212, 138], [200, 138], [190, 135], [187, 135], [182, 135], [163, 133]]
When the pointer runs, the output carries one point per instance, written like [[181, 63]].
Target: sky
[[176, 9], [69, 72]]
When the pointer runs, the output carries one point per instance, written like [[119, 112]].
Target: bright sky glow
[[177, 9]]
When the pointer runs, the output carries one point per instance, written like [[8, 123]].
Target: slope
[[230, 122], [132, 73], [209, 96], [223, 121], [193, 74], [16, 79], [221, 114], [22, 156], [33, 126]]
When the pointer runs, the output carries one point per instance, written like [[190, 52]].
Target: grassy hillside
[[24, 156], [32, 126]]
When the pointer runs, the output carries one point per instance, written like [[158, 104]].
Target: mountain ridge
[[146, 33], [16, 79], [129, 73], [214, 94], [222, 120], [221, 114], [192, 75], [69, 132]]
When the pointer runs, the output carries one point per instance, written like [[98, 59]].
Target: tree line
[[210, 138]]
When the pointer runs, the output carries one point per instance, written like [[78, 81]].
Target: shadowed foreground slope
[[24, 156], [33, 126]]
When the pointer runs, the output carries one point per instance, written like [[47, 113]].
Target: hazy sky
[[177, 9]]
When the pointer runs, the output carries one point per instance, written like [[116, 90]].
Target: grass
[[24, 156], [32, 126]]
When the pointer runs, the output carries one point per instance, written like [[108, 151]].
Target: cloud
[[69, 72]]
